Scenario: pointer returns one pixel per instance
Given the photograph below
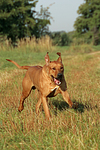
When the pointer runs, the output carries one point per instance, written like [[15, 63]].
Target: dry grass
[[69, 129], [37, 45], [83, 48], [80, 46], [5, 76]]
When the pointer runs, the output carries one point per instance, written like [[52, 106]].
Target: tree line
[[19, 19], [87, 25]]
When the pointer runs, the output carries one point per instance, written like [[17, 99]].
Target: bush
[[60, 39]]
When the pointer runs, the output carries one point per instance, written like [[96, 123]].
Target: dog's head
[[55, 69]]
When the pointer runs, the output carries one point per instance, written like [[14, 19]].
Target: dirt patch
[[93, 53]]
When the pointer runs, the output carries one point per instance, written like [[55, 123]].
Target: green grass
[[69, 129]]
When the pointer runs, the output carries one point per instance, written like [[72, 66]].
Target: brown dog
[[48, 80]]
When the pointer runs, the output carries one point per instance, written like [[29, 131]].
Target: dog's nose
[[59, 75]]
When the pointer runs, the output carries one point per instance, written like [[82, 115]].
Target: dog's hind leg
[[27, 87], [23, 97], [38, 104]]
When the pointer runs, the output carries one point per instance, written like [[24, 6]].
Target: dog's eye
[[53, 68], [61, 68]]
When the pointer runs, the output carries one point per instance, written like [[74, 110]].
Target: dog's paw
[[75, 105], [20, 108]]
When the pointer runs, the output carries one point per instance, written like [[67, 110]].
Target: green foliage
[[88, 22], [60, 38], [18, 19], [42, 22]]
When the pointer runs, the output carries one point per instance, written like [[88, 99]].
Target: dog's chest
[[55, 88], [53, 91]]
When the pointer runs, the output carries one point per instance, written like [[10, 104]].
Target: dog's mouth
[[56, 80]]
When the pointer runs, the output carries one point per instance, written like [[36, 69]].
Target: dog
[[48, 80]]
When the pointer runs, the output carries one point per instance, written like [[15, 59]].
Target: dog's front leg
[[67, 98], [45, 106]]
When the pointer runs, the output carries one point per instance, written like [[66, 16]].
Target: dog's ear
[[47, 59], [59, 59]]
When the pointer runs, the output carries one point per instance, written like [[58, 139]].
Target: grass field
[[69, 129]]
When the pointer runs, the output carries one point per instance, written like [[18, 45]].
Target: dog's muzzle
[[58, 80]]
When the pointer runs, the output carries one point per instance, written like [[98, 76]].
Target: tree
[[42, 22], [88, 22], [60, 38], [18, 19]]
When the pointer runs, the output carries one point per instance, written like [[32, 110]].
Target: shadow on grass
[[62, 105]]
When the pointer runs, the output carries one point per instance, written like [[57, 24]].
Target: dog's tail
[[20, 67]]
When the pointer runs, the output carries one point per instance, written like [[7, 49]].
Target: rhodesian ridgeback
[[48, 80]]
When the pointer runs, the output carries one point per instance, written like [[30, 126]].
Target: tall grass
[[68, 129], [37, 45], [81, 46]]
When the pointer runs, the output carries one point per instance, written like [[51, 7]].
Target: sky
[[64, 13]]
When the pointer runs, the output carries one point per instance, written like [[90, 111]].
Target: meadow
[[69, 129]]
